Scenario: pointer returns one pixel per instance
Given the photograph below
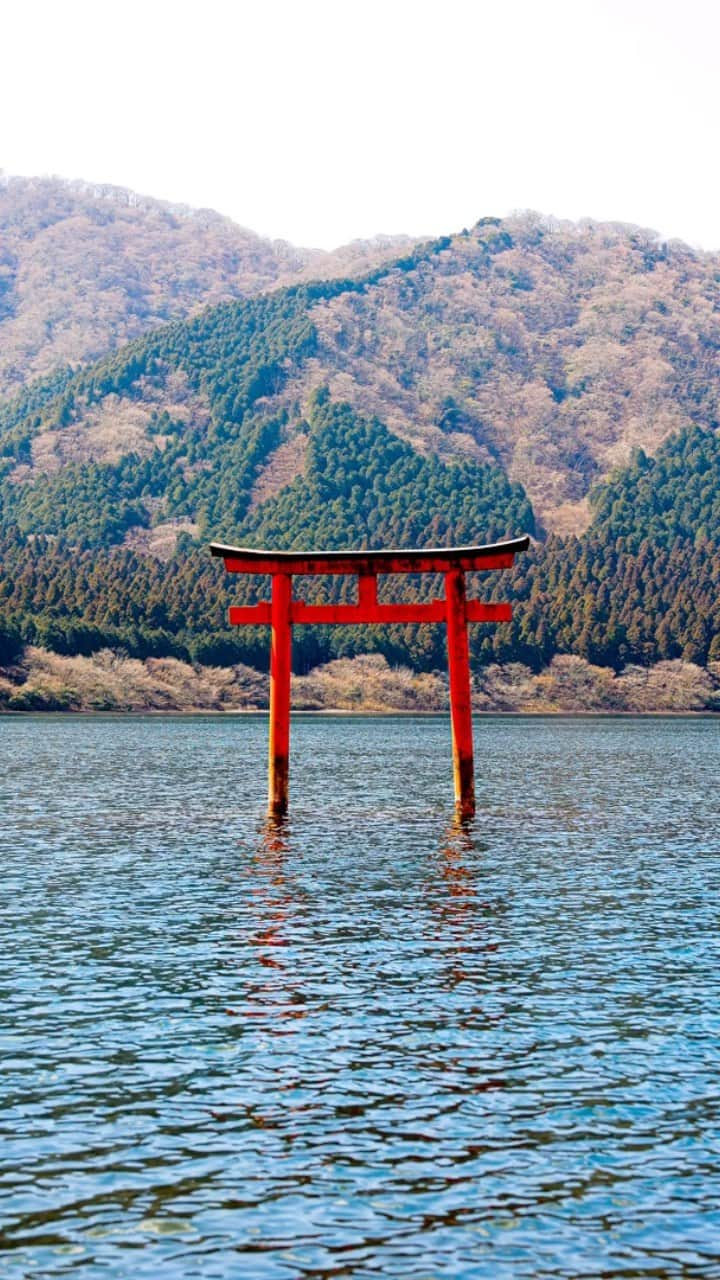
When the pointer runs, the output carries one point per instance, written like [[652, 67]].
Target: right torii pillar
[[460, 692], [282, 612]]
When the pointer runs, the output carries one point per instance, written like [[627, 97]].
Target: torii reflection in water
[[460, 914], [273, 903]]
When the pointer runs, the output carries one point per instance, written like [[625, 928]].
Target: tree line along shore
[[109, 681]]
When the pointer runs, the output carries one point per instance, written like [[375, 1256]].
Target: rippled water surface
[[369, 1044]]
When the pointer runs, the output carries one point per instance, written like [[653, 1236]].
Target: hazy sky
[[320, 122]]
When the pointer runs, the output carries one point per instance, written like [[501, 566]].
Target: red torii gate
[[281, 612]]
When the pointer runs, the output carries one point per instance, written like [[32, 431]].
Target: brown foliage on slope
[[85, 268], [108, 681], [554, 348]]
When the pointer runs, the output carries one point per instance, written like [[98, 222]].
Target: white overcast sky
[[320, 122]]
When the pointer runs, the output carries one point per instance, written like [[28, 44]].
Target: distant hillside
[[85, 268], [551, 349], [519, 376]]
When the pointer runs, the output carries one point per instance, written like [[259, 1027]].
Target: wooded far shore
[[110, 681]]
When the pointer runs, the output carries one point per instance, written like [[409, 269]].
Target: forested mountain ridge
[[519, 376], [551, 350], [85, 267]]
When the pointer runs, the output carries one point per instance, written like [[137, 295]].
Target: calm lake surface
[[368, 1044]]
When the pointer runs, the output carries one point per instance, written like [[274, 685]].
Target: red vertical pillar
[[460, 704], [280, 654], [367, 591]]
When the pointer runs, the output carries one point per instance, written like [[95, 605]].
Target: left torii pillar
[[280, 667]]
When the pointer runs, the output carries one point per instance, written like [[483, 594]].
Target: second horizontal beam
[[351, 614]]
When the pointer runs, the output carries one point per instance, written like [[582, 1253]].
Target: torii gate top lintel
[[492, 555], [456, 611]]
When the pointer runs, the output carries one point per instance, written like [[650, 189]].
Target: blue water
[[369, 1043]]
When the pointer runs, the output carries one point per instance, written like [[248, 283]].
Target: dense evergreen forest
[[642, 585], [187, 428]]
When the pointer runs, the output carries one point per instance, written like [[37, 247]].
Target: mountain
[[84, 268], [523, 375]]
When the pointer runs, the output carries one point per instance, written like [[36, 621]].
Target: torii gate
[[281, 612]]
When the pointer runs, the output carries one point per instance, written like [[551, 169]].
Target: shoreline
[[374, 714], [110, 683]]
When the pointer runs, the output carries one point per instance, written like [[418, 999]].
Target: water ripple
[[368, 1042]]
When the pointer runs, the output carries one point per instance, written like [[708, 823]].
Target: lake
[[366, 1043]]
